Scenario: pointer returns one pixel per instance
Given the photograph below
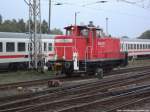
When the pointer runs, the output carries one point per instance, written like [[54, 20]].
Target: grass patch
[[139, 62], [19, 76], [23, 76]]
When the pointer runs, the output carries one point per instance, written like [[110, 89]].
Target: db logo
[[102, 44]]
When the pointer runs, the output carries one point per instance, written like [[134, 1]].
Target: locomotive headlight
[[64, 57], [55, 57], [72, 28]]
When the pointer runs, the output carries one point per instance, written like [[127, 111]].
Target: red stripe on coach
[[51, 54]]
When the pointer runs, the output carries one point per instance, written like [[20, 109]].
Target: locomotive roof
[[22, 35], [135, 40], [81, 27]]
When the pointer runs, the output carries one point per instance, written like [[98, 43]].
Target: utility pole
[[35, 33], [107, 26], [50, 9], [76, 17]]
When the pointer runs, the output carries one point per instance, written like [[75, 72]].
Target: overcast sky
[[124, 19]]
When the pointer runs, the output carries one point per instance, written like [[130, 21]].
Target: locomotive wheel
[[91, 73], [67, 65], [107, 70], [99, 73], [68, 72], [67, 69]]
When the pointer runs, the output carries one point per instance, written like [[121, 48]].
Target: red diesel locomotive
[[86, 49]]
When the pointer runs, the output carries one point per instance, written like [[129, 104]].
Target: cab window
[[84, 32], [68, 32], [98, 33]]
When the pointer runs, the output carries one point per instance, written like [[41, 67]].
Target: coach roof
[[22, 35]]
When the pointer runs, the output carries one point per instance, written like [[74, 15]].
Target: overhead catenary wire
[[88, 6], [145, 4]]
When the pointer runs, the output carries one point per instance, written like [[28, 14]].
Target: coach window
[[21, 46], [141, 46], [29, 46], [137, 46], [50, 46], [1, 47], [146, 46], [126, 46], [131, 46], [45, 46], [134, 46], [10, 47]]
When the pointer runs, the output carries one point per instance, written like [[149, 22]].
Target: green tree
[[21, 25], [145, 35], [27, 25], [1, 19], [56, 31], [44, 27], [6, 26], [10, 26]]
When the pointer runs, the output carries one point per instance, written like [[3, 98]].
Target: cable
[[140, 3], [97, 9]]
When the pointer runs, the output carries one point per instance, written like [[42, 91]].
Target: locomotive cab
[[84, 31], [87, 49]]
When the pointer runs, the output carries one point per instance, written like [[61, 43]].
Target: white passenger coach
[[136, 47], [15, 50]]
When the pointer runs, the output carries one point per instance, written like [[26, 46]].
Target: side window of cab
[[50, 47]]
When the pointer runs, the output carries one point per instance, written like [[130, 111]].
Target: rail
[[87, 95]]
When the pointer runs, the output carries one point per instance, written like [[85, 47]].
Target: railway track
[[78, 98], [26, 95], [109, 103], [62, 78]]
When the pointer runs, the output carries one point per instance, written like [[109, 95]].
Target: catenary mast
[[35, 34]]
